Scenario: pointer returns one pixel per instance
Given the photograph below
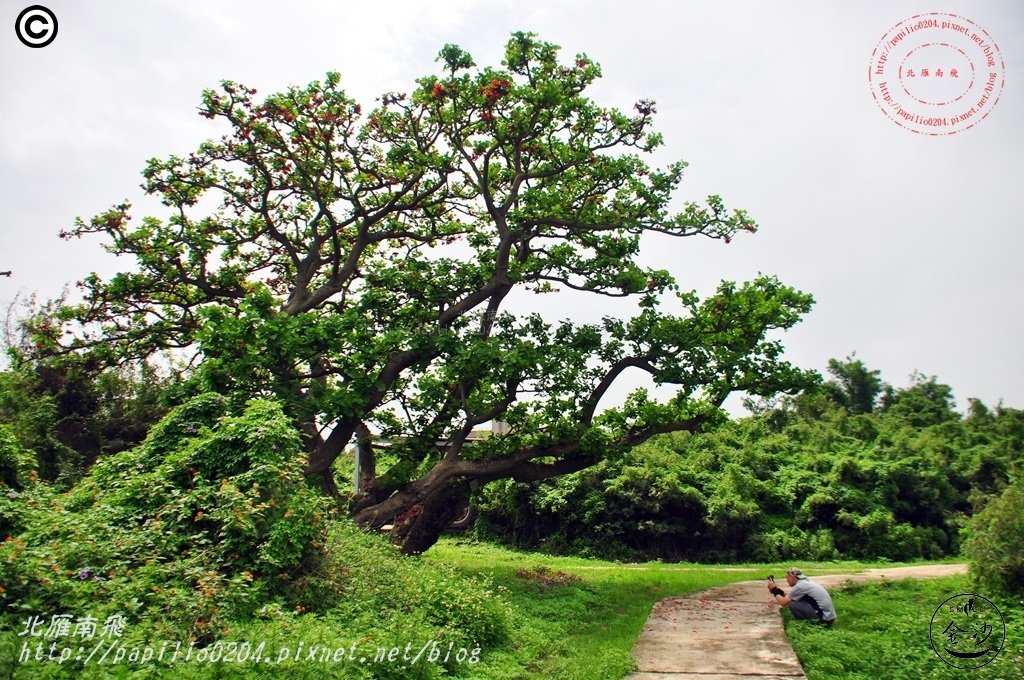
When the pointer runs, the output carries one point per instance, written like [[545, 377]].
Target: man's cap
[[796, 571]]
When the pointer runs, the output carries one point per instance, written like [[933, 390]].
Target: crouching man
[[806, 599]]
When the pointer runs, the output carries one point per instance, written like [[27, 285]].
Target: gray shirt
[[810, 592]]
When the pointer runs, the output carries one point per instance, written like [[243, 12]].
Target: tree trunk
[[419, 513], [419, 527], [367, 459]]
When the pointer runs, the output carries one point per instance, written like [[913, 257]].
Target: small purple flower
[[12, 495], [84, 574]]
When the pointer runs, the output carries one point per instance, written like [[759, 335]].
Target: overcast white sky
[[911, 244]]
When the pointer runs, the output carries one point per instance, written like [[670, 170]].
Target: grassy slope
[[585, 630]]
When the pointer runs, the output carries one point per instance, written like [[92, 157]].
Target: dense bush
[[17, 472], [209, 531], [365, 579], [16, 464], [365, 592], [189, 528], [996, 543], [68, 416], [828, 474]]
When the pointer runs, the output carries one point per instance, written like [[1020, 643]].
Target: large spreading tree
[[357, 265]]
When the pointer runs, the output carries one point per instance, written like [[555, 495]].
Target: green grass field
[[578, 629], [882, 632], [586, 629]]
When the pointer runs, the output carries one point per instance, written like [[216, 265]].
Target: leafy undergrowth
[[213, 556], [882, 631], [365, 612]]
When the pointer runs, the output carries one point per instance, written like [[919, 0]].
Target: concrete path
[[735, 632]]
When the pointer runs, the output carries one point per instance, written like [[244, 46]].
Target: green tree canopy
[[854, 386], [356, 265], [925, 402]]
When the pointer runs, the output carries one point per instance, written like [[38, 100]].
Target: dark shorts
[[804, 610]]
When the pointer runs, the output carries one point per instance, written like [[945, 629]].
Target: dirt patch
[[545, 577]]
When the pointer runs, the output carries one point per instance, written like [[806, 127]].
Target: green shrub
[[209, 531], [17, 472], [191, 528], [366, 576], [69, 416], [806, 479], [791, 544], [995, 544], [16, 464]]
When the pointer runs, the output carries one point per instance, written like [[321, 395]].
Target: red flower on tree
[[495, 90]]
